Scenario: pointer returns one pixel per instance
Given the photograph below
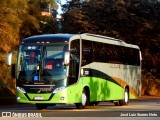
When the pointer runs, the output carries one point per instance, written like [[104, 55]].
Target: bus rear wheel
[[85, 100], [126, 98]]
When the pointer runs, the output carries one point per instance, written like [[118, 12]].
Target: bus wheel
[[41, 106], [126, 98], [85, 100]]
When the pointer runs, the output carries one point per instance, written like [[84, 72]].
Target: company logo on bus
[[39, 90]]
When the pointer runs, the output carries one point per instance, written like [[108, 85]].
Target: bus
[[81, 69]]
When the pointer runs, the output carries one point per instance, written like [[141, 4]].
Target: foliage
[[20, 19], [9, 23], [45, 3], [30, 20], [48, 25], [134, 21], [6, 81]]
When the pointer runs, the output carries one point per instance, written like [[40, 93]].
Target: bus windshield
[[42, 62]]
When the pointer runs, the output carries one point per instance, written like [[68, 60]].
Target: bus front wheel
[[41, 106], [85, 100], [126, 98]]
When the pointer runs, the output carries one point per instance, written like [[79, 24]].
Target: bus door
[[74, 65]]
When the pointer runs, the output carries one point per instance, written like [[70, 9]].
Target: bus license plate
[[38, 98]]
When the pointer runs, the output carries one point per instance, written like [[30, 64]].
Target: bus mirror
[[9, 59], [82, 72], [66, 58]]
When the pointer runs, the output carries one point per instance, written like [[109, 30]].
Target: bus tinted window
[[108, 53], [87, 52]]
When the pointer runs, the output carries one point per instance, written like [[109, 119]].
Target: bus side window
[[87, 54]]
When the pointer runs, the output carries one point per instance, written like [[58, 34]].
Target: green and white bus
[[81, 69]]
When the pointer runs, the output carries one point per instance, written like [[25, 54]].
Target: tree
[[30, 20], [48, 25], [34, 22], [20, 19], [10, 23]]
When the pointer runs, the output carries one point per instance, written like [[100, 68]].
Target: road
[[144, 108]]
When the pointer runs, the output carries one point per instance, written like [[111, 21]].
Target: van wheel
[[85, 100], [125, 101]]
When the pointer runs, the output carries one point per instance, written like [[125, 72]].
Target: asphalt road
[[143, 108]]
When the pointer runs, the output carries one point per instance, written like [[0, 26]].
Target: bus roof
[[108, 40], [104, 37], [64, 38], [48, 38]]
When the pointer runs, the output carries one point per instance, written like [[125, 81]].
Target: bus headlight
[[18, 98], [58, 89], [21, 89]]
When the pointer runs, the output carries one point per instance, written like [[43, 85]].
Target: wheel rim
[[84, 99], [126, 97]]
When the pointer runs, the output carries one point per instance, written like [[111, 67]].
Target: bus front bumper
[[48, 98]]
